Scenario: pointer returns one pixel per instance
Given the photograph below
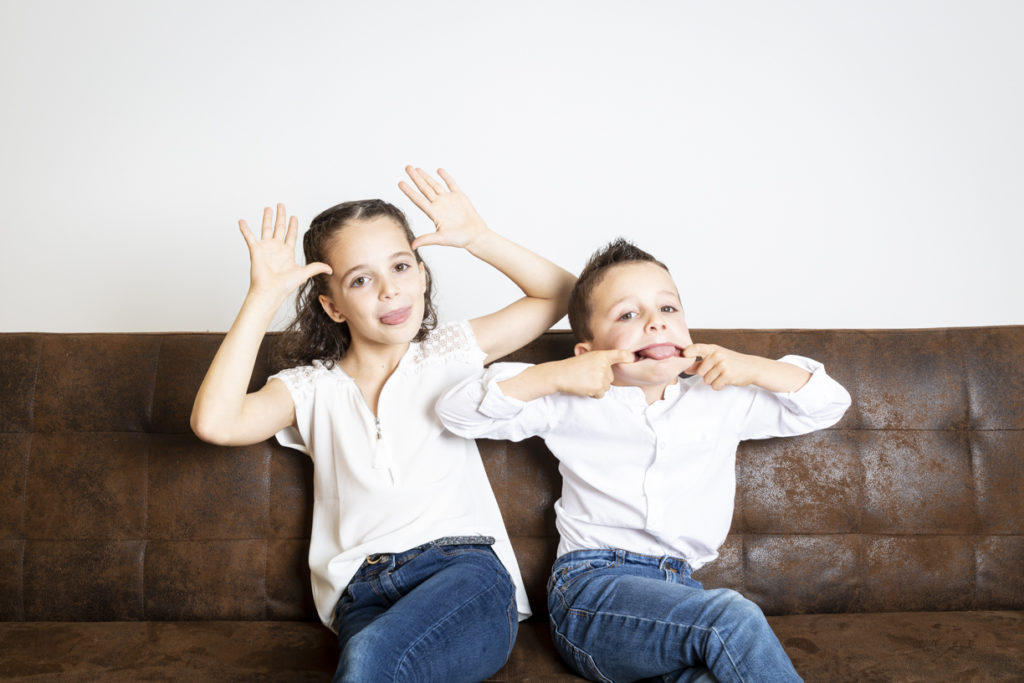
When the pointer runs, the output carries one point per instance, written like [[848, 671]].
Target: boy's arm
[[545, 285], [799, 395], [721, 367], [516, 400], [588, 374]]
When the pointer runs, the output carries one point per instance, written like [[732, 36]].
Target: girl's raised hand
[[273, 270], [457, 222]]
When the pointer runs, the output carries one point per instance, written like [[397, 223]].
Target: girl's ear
[[330, 309], [582, 348]]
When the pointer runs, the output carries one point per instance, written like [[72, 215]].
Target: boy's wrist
[[532, 383]]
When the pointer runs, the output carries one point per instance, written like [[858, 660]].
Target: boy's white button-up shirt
[[655, 479]]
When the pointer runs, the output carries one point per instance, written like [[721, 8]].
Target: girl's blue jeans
[[620, 616], [438, 612]]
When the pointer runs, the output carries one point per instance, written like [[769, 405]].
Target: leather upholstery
[[112, 511]]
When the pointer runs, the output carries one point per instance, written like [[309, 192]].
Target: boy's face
[[636, 307]]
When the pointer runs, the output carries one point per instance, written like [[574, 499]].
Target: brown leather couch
[[890, 547]]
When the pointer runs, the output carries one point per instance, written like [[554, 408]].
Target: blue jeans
[[620, 616], [434, 613]]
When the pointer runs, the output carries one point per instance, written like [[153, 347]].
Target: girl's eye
[[360, 281], [628, 316], [402, 267]]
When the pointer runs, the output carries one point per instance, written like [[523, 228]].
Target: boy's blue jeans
[[620, 616], [438, 612]]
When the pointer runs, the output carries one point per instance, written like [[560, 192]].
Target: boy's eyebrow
[[674, 295], [361, 266]]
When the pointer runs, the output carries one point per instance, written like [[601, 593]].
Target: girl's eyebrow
[[361, 266]]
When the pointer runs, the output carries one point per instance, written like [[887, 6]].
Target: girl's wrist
[[263, 300], [483, 243]]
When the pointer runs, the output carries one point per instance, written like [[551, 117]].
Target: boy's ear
[[581, 348], [330, 309]]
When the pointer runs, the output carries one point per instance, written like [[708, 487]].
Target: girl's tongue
[[396, 317], [658, 352]]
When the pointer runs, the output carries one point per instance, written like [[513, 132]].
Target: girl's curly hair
[[312, 335]]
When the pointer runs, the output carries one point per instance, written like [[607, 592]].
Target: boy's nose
[[655, 323]]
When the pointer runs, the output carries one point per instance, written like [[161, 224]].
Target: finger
[[293, 232], [420, 180], [280, 222], [618, 356], [697, 350], [415, 197], [316, 268], [448, 179], [434, 185], [267, 229], [428, 239], [247, 235]]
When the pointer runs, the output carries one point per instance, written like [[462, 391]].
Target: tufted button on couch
[[887, 548]]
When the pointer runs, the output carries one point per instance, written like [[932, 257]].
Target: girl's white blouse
[[391, 482]]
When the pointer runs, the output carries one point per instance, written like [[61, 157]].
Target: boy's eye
[[628, 316], [668, 309]]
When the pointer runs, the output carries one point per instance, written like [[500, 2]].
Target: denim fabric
[[620, 616], [433, 613]]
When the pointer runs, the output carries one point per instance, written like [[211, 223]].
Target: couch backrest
[[112, 510]]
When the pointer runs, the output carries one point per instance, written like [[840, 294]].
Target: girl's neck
[[370, 366], [373, 360]]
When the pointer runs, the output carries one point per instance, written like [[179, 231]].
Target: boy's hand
[[721, 367], [458, 224], [588, 374]]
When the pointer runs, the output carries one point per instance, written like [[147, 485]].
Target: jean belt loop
[[620, 557]]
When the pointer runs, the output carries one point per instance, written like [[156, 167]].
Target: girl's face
[[377, 286]]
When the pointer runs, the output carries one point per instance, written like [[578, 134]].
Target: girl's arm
[[223, 413], [545, 285]]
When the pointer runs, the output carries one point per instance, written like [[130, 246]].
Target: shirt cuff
[[495, 404], [816, 394]]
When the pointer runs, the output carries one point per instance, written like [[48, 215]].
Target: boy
[[648, 465]]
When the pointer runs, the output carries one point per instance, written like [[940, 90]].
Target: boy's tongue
[[658, 352]]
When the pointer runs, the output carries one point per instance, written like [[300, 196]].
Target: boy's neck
[[652, 392]]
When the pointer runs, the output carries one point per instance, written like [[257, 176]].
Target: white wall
[[797, 164]]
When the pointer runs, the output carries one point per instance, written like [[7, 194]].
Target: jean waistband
[[621, 557], [444, 541]]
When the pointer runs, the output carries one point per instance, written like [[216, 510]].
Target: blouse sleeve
[[301, 385], [454, 340]]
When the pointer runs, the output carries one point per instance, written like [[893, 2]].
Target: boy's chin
[[646, 373]]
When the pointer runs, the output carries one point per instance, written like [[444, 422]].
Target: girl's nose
[[388, 288]]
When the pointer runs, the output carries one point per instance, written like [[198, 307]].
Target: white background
[[796, 164]]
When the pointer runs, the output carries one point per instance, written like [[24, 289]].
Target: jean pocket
[[568, 574], [578, 660]]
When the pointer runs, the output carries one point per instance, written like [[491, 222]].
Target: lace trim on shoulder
[[447, 340], [302, 379]]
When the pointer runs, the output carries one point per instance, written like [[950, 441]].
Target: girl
[[410, 561]]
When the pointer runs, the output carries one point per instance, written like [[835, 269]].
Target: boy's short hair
[[616, 253]]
